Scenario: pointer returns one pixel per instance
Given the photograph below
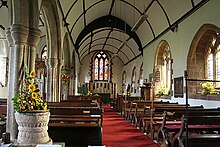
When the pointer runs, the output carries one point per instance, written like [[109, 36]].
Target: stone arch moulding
[[53, 35], [195, 42], [51, 16], [159, 82], [195, 59], [66, 56]]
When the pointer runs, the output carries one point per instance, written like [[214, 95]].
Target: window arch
[[163, 69], [133, 80], [213, 59], [101, 67], [44, 53], [141, 79]]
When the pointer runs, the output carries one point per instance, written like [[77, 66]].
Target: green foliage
[[208, 88]]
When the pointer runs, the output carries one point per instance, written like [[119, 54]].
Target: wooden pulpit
[[145, 90]]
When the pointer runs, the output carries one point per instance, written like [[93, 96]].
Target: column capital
[[19, 33], [34, 36], [52, 62], [9, 37]]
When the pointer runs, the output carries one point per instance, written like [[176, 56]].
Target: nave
[[118, 132]]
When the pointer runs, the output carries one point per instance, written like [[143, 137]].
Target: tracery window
[[101, 67], [213, 59], [166, 70]]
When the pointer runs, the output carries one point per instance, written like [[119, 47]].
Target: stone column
[[59, 66], [53, 76], [33, 39], [18, 35]]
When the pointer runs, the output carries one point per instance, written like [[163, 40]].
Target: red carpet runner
[[118, 132]]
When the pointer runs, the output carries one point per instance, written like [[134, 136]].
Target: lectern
[[145, 91]]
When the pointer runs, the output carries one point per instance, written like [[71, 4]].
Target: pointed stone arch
[[163, 56], [54, 62], [196, 64]]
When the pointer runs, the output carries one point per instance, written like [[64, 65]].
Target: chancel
[[85, 64]]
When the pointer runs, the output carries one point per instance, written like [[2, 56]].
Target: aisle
[[118, 132]]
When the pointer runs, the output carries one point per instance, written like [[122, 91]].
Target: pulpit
[[145, 90]]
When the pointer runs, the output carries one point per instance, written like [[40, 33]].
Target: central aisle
[[118, 132]]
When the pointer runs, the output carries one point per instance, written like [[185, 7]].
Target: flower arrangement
[[29, 97], [208, 88], [161, 90]]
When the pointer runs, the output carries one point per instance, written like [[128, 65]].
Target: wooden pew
[[75, 123], [174, 119], [3, 113], [140, 110], [3, 101], [135, 106], [3, 110], [85, 98], [149, 123], [200, 131]]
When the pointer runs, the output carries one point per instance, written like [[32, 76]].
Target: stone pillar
[[19, 34], [53, 76], [33, 39], [60, 64]]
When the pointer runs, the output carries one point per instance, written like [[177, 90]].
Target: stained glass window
[[101, 67]]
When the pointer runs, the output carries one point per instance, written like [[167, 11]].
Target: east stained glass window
[[101, 67]]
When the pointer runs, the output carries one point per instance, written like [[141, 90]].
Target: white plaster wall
[[84, 76], [180, 41], [129, 68], [117, 73]]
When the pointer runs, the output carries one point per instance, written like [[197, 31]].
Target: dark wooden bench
[[149, 123], [136, 107], [3, 101], [174, 118], [76, 123], [142, 110], [85, 98], [200, 127], [3, 110]]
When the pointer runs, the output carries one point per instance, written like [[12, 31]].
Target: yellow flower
[[34, 95], [29, 97], [31, 87], [32, 74]]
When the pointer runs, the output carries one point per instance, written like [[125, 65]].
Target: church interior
[[109, 73]]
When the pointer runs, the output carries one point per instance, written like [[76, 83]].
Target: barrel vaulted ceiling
[[108, 25]]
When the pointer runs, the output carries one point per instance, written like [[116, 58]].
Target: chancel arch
[[203, 61], [163, 69]]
